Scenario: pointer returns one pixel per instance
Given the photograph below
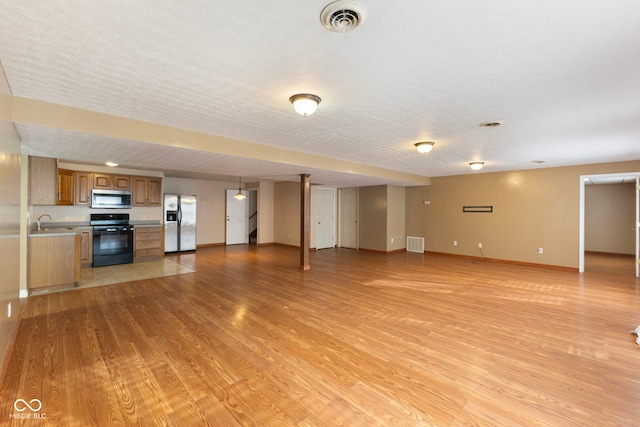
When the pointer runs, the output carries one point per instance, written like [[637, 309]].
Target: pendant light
[[240, 195]]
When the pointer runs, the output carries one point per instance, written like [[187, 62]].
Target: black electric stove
[[112, 239]]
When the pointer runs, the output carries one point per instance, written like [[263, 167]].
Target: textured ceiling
[[562, 76]]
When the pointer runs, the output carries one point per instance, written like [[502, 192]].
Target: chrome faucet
[[38, 221]]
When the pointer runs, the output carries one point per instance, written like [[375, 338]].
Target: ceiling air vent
[[343, 15], [490, 124]]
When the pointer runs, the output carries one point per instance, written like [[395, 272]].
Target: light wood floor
[[361, 339], [622, 265]]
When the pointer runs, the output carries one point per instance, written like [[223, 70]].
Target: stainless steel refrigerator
[[179, 223]]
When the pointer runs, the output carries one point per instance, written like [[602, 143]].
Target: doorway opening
[[252, 197], [623, 236]]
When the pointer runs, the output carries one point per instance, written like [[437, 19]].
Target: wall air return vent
[[343, 15], [415, 244]]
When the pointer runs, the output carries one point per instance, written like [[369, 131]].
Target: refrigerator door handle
[[179, 214]]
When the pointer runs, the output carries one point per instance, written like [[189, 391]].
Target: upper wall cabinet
[[83, 185], [43, 181], [65, 187], [49, 185], [111, 182], [147, 191]]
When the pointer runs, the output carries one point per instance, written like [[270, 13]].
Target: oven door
[[112, 244]]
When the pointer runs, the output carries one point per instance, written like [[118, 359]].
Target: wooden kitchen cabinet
[[111, 182], [86, 246], [65, 187], [149, 242], [53, 262], [147, 191], [154, 191], [43, 181], [83, 185]]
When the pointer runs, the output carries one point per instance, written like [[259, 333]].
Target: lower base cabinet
[[149, 242], [86, 246], [53, 262]]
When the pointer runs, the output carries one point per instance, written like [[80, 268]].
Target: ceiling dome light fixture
[[240, 195], [424, 147], [305, 104], [111, 164], [476, 166]]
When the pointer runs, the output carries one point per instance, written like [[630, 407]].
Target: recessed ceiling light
[[538, 161], [476, 166], [490, 124], [112, 164]]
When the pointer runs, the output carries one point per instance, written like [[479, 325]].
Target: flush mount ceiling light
[[240, 195], [424, 147], [305, 104], [476, 166], [343, 15], [112, 164]]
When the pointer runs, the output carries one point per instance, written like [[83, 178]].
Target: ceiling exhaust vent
[[343, 15], [490, 124]]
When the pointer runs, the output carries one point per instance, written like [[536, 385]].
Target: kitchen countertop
[[71, 228], [68, 228], [51, 231], [143, 222]]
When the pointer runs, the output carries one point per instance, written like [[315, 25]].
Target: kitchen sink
[[57, 229]]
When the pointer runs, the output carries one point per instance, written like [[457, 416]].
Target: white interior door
[[325, 230], [349, 218], [237, 221]]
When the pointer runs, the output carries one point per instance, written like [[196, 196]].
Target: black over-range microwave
[[110, 199]]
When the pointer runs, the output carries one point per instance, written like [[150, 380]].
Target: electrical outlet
[[540, 250], [455, 243], [64, 217], [392, 240], [9, 310], [479, 245]]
